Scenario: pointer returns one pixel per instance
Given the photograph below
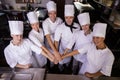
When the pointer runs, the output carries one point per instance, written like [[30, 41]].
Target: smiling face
[[69, 19], [52, 15], [35, 26], [99, 41], [17, 39], [86, 28]]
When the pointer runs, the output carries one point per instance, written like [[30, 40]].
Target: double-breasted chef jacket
[[49, 27], [38, 39], [21, 54], [64, 34], [97, 60], [80, 39]]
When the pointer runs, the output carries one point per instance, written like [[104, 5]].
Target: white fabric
[[84, 18], [99, 29], [32, 17], [40, 60], [69, 10], [64, 34], [49, 28], [38, 39], [97, 60], [21, 54], [80, 39], [51, 6], [16, 27]]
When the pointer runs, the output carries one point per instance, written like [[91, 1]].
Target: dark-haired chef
[[19, 52], [99, 57], [37, 37]]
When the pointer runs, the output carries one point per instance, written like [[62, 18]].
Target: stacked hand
[[27, 66], [87, 74]]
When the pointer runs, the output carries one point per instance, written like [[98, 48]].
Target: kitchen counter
[[76, 77], [39, 74], [22, 74]]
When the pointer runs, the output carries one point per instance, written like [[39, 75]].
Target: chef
[[99, 57], [64, 32], [19, 52], [37, 37], [49, 27], [80, 38]]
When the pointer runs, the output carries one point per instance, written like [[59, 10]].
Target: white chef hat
[[51, 6], [69, 10], [32, 17], [16, 27], [99, 29], [84, 18]]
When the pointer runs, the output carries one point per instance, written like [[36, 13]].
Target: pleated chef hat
[[32, 17], [69, 10], [51, 6], [16, 27], [99, 29], [84, 18]]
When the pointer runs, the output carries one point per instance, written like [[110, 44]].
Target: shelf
[[114, 26], [106, 3]]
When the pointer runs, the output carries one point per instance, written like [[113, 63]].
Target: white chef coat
[[97, 60], [49, 27], [21, 54], [38, 39], [64, 34], [80, 39]]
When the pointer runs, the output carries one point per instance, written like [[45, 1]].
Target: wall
[[19, 5], [42, 4]]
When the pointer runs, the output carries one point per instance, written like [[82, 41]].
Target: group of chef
[[60, 41]]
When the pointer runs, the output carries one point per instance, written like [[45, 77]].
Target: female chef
[[37, 37], [49, 27], [64, 33], [19, 52], [99, 57], [80, 38]]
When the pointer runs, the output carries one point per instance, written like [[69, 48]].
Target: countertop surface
[[22, 74]]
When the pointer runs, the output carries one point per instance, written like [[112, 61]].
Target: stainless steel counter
[[22, 74], [65, 77], [39, 74], [76, 77]]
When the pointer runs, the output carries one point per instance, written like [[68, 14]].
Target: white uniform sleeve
[[72, 41], [46, 28], [34, 48], [60, 21], [84, 49], [58, 34], [34, 39], [107, 66], [9, 58]]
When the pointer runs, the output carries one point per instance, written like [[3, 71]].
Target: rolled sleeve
[[34, 39], [83, 50], [35, 48], [107, 66], [58, 34], [10, 59], [46, 28]]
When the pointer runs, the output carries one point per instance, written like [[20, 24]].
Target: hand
[[87, 74], [57, 55], [27, 66], [63, 55], [52, 57], [56, 61]]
